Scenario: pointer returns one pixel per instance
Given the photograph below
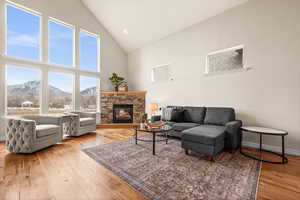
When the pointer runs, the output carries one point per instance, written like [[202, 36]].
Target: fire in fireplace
[[122, 113]]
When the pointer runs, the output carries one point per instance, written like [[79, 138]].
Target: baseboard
[[290, 151]]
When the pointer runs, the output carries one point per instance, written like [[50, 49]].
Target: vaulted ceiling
[[136, 23]]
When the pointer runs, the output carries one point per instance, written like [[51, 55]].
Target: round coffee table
[[266, 131], [155, 131]]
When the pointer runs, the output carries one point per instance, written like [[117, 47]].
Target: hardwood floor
[[64, 172]]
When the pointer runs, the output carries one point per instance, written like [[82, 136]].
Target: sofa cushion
[[46, 130], [177, 115], [219, 116], [87, 121], [204, 134], [194, 114], [183, 126]]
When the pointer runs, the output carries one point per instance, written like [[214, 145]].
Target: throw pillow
[[166, 114], [177, 115]]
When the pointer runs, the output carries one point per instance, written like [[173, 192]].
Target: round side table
[[265, 131]]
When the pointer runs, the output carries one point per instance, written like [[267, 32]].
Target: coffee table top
[[164, 128], [264, 130]]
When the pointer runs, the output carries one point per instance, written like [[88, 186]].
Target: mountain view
[[27, 95]]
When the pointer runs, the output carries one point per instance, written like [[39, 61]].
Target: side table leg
[[260, 142], [283, 149], [166, 138], [153, 144], [135, 136]]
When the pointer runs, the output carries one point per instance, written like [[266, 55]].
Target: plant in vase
[[116, 80]]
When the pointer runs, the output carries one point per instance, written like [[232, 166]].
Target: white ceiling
[[149, 20]]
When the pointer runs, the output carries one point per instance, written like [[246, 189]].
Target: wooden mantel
[[123, 92]]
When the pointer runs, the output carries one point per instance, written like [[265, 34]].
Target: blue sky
[[23, 40]]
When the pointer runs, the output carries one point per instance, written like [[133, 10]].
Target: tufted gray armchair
[[86, 122], [30, 133]]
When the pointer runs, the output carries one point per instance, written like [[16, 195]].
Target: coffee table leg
[[135, 136], [166, 137], [153, 143]]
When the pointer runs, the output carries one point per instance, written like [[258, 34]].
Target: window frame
[[98, 49], [29, 11]]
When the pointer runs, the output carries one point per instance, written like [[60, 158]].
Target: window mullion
[[44, 105], [76, 95]]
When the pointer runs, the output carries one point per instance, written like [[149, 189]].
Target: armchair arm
[[85, 114], [20, 134], [233, 129]]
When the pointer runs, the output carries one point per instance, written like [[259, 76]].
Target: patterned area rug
[[171, 174]]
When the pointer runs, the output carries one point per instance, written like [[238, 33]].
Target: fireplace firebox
[[122, 113]]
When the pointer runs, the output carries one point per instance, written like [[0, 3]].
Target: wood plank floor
[[64, 172]]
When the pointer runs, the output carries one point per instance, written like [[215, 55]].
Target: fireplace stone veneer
[[109, 98]]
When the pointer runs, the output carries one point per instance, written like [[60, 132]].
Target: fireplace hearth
[[122, 113]]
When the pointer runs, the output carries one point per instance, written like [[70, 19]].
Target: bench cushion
[[46, 130], [183, 126], [87, 121], [205, 134]]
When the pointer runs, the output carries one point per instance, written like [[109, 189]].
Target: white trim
[[89, 33], [290, 151], [9, 60], [58, 21], [227, 71], [241, 46], [44, 91], [21, 7]]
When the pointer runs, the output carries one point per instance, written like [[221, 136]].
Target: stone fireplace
[[122, 107]]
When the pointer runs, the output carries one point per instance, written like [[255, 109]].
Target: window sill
[[226, 72]]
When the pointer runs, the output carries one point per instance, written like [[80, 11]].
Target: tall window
[[88, 93], [23, 33], [23, 89], [61, 44], [89, 52], [60, 92]]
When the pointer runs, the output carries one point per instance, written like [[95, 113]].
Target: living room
[[149, 99]]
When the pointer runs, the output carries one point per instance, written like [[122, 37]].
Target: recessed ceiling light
[[125, 31]]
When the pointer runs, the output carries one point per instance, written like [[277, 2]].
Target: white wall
[[113, 57], [267, 95]]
